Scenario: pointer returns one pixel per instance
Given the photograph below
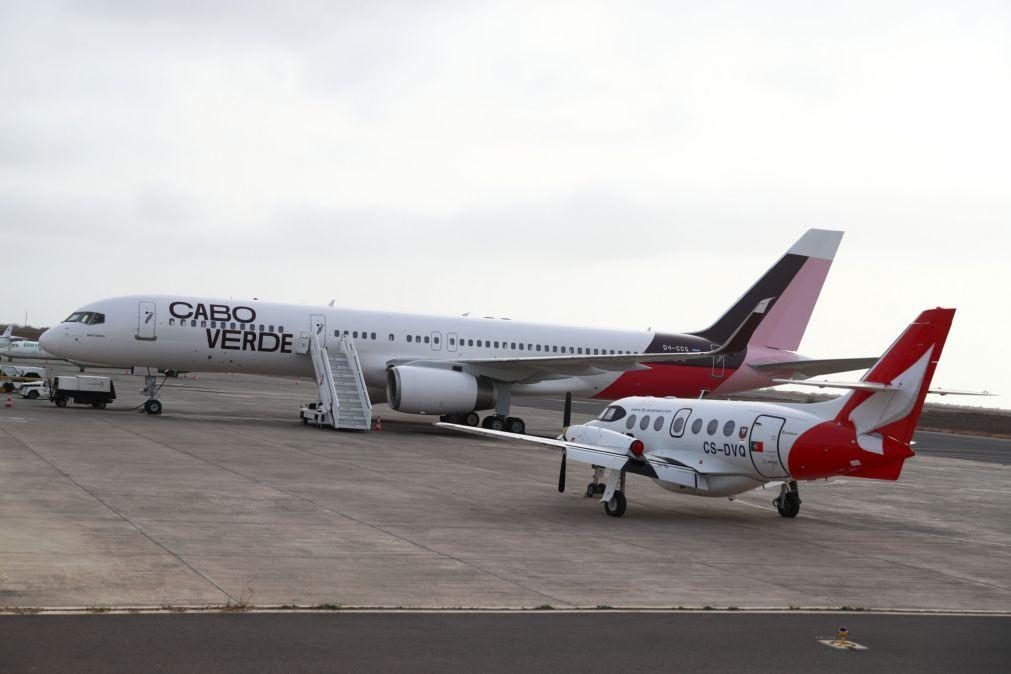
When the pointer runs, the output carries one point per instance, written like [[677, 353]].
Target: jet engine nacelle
[[430, 390], [605, 437]]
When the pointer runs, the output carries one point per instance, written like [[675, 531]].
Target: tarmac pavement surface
[[514, 642], [226, 499]]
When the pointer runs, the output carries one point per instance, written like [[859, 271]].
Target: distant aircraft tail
[[795, 281], [9, 331], [888, 400]]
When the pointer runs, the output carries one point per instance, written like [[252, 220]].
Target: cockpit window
[[612, 413], [86, 317]]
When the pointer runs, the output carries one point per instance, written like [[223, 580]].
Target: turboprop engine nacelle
[[429, 390], [603, 437]]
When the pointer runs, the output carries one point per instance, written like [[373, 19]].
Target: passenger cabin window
[[426, 339], [271, 329], [280, 328], [410, 338], [612, 413], [203, 324], [728, 428], [233, 326], [470, 342], [697, 426], [372, 335], [631, 422], [677, 427], [355, 334], [391, 336], [658, 424], [711, 427], [435, 339], [171, 321], [644, 423], [452, 341]]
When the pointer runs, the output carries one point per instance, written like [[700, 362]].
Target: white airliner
[[26, 348], [8, 337], [723, 447], [456, 366]]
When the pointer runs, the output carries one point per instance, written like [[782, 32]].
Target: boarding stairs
[[343, 398]]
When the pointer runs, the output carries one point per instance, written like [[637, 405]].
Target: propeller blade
[[561, 475], [567, 414]]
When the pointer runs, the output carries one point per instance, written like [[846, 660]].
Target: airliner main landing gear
[[500, 422], [470, 419], [152, 405], [788, 501]]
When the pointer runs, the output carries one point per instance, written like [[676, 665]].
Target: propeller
[[567, 413], [561, 475]]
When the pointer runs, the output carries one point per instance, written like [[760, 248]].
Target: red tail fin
[[907, 367]]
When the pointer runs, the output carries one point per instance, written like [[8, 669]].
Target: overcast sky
[[623, 164]]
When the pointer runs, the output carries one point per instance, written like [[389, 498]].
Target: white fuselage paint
[[182, 342]]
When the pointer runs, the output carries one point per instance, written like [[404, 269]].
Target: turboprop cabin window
[[677, 426], [728, 428], [697, 426], [711, 428], [644, 423], [612, 413], [631, 422], [658, 424]]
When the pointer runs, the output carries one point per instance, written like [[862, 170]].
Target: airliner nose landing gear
[[152, 405], [788, 501]]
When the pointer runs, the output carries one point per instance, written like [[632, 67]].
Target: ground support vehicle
[[82, 390]]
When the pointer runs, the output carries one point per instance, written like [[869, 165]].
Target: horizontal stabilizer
[[813, 367], [874, 386]]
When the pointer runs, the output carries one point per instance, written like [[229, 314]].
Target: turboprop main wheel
[[788, 504], [515, 425], [152, 406], [472, 419], [617, 505]]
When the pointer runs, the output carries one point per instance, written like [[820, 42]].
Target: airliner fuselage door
[[147, 320]]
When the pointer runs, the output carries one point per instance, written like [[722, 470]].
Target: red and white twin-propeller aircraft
[[722, 448]]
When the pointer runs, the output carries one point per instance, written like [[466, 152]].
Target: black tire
[[591, 490], [61, 402], [789, 504], [515, 425], [100, 405], [495, 423], [472, 419], [304, 421], [153, 406], [32, 395], [619, 507]]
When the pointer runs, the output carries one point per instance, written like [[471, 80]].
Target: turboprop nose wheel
[[617, 506], [788, 501]]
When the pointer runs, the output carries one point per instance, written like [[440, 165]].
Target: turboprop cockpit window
[[612, 413]]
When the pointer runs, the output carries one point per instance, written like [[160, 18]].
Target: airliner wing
[[545, 367], [802, 369]]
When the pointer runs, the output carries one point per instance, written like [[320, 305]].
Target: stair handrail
[[324, 376], [356, 367]]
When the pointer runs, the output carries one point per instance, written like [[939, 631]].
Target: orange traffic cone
[[379, 424], [10, 401]]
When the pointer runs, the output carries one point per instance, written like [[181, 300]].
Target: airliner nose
[[50, 341]]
